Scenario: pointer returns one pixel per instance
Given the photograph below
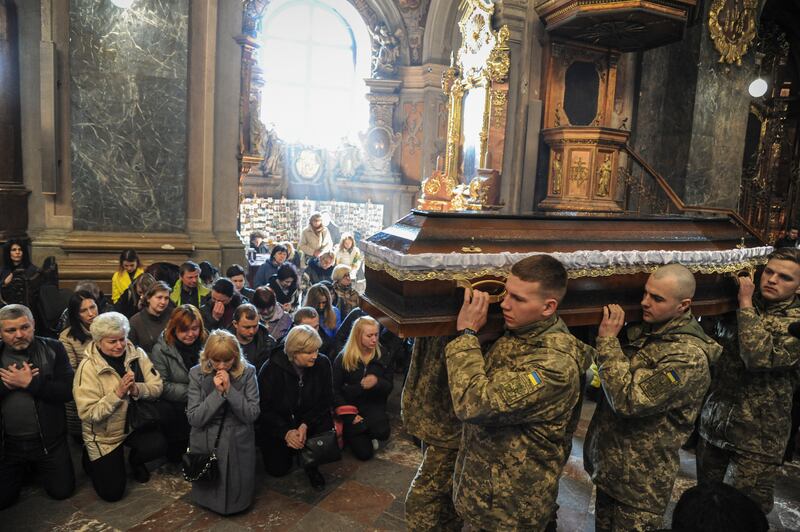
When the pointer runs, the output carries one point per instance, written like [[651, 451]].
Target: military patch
[[660, 383], [520, 387]]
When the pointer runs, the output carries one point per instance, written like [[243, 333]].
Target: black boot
[[316, 478]]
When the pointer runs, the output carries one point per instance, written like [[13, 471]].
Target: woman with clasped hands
[[296, 402], [223, 391], [105, 383]]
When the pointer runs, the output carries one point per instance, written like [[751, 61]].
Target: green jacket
[[427, 409], [517, 406], [653, 390], [175, 296], [750, 404]]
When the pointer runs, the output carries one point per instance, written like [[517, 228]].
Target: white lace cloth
[[575, 260]]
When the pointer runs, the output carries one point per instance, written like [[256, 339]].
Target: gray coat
[[174, 373], [233, 491]]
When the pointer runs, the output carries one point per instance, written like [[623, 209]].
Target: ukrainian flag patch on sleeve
[[661, 383], [521, 386]]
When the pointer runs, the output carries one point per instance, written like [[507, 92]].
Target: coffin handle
[[493, 298]]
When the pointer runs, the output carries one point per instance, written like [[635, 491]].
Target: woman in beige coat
[[114, 375]]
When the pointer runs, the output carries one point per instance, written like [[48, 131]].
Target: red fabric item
[[344, 410]]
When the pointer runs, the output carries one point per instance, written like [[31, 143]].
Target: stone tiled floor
[[358, 496]]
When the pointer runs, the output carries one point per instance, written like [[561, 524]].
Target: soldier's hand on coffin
[[474, 311], [613, 320], [746, 290]]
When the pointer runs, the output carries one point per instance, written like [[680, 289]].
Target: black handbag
[[320, 449], [203, 466], [141, 414]]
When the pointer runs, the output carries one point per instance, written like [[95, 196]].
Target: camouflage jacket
[[517, 406], [653, 390], [427, 409], [750, 404]]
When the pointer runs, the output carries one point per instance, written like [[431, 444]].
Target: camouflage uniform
[[746, 420], [517, 406], [428, 414], [653, 390]]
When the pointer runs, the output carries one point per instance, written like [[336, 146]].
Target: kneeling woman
[[362, 382], [114, 374], [296, 402], [223, 399], [176, 352]]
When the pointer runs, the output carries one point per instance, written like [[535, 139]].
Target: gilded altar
[[476, 85]]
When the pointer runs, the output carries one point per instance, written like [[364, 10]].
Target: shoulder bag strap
[[221, 424]]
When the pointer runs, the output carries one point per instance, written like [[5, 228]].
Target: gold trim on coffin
[[467, 275]]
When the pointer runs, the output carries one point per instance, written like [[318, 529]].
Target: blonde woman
[[296, 402], [223, 392], [362, 382], [113, 374], [349, 255], [319, 298], [346, 296]]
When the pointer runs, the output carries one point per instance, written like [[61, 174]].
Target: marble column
[[691, 117], [129, 71], [13, 194]]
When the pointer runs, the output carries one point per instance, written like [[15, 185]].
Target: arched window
[[314, 56]]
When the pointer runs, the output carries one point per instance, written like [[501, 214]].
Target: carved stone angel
[[385, 52]]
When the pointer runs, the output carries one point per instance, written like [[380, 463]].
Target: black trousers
[[108, 473], [53, 466], [279, 457], [175, 428], [359, 436]]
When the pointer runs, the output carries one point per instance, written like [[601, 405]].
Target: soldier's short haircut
[[545, 270], [684, 278], [15, 312], [790, 254]]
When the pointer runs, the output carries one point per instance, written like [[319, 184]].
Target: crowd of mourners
[[205, 363]]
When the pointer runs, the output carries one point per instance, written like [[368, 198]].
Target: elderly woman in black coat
[[296, 402]]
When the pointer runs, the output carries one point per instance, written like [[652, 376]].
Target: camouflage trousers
[[429, 503], [754, 478], [610, 515]]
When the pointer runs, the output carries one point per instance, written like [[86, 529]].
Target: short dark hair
[[129, 255], [234, 270], [189, 266], [248, 310], [263, 298], [278, 248], [790, 254], [286, 271], [304, 313], [223, 286], [716, 506], [545, 270], [207, 271]]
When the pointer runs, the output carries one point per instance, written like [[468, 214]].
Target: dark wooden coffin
[[423, 300]]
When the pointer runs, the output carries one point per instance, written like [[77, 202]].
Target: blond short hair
[[302, 339], [340, 272]]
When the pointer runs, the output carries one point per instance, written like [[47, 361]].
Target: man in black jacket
[[35, 382], [253, 337]]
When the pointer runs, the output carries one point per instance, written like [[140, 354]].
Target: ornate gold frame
[[481, 61], [735, 30]]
